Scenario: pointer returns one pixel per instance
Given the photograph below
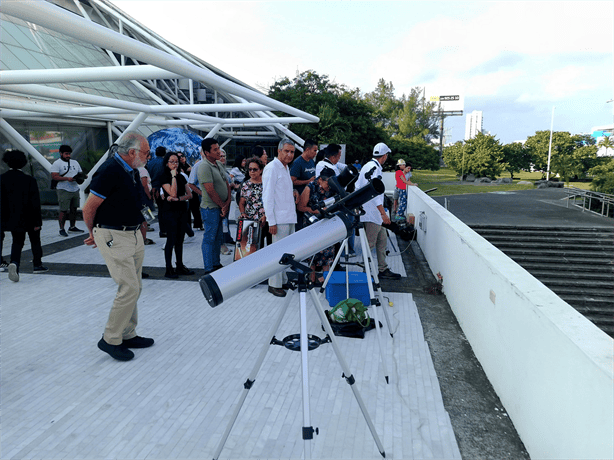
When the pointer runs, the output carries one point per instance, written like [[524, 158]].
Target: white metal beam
[[84, 74]]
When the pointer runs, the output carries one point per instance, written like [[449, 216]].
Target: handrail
[[607, 200]]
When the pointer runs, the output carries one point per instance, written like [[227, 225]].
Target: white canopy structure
[[85, 63]]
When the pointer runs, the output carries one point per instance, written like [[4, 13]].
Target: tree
[[516, 158], [607, 142], [603, 180], [410, 116], [385, 105], [482, 156], [562, 145], [344, 117], [416, 151]]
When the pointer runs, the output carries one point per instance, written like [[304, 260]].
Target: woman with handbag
[[250, 202]]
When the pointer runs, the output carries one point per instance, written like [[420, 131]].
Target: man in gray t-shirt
[[215, 202], [64, 171]]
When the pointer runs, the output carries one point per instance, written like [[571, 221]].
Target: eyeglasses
[[253, 169]]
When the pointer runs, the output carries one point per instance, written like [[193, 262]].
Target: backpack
[[350, 310]]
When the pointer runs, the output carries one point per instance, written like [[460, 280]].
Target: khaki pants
[[378, 239], [124, 259]]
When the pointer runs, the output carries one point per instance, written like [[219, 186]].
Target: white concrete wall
[[550, 366]]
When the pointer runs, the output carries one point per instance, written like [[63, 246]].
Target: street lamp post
[[550, 145]]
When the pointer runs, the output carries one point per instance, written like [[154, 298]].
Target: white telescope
[[264, 263]]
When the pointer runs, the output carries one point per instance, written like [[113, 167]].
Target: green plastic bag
[[350, 310]]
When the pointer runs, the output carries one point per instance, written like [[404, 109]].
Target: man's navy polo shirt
[[120, 187]]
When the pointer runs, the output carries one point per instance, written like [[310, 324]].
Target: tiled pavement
[[63, 398]]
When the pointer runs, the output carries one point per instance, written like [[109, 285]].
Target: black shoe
[[190, 234], [144, 275], [63, 233], [137, 342], [217, 267], [388, 275], [40, 269], [162, 234], [149, 241], [118, 352], [277, 292], [75, 230], [183, 270], [170, 273], [3, 265]]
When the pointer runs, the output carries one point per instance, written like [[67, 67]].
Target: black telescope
[[264, 263]]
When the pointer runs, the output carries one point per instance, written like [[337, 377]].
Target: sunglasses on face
[[254, 169]]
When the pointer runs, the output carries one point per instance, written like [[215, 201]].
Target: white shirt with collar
[[277, 194], [372, 213]]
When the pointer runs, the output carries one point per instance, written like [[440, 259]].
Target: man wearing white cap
[[375, 214]]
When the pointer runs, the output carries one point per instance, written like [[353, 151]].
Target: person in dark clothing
[[175, 193], [155, 166], [21, 212]]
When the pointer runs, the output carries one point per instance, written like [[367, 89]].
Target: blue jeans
[[212, 237]]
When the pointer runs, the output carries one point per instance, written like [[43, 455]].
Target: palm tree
[[607, 142]]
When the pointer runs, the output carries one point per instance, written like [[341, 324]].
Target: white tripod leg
[[366, 254], [346, 370], [380, 294], [252, 376], [304, 340]]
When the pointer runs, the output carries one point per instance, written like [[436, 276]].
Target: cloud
[[508, 43]]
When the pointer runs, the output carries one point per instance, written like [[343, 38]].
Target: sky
[[514, 61]]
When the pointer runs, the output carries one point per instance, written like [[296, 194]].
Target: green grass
[[447, 183]]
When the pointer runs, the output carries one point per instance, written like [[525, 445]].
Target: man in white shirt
[[375, 214], [332, 157], [64, 171], [279, 201]]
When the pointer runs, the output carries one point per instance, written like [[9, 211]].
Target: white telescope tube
[[264, 263]]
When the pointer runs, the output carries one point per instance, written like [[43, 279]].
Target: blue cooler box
[[336, 292]]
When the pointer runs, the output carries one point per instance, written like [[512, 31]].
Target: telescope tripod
[[303, 343], [370, 266]]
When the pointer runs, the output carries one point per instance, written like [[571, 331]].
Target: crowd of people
[[279, 194]]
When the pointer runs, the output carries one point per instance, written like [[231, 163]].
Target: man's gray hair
[[283, 142], [130, 140]]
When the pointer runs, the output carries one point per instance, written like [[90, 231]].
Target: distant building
[[473, 124]]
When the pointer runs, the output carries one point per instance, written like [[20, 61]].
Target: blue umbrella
[[177, 140]]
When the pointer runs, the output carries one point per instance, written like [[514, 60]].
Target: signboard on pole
[[448, 102]]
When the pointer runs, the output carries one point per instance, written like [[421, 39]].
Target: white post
[[550, 145], [18, 139]]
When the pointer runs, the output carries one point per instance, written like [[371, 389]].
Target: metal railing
[[595, 202]]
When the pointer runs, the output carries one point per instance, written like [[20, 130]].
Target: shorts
[[395, 195], [67, 200]]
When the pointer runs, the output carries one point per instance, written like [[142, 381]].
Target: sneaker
[[388, 275], [3, 266], [40, 269], [170, 273], [75, 230], [149, 241], [13, 272], [137, 342], [118, 352], [63, 233]]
